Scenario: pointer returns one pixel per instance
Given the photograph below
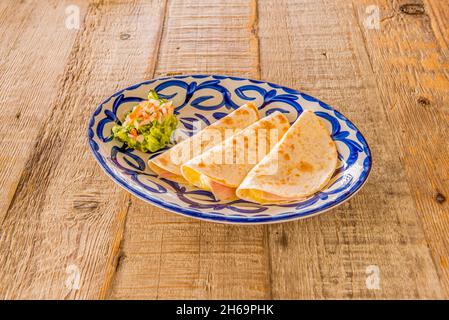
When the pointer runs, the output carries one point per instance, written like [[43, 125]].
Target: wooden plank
[[438, 12], [66, 217], [209, 36], [411, 49], [166, 256], [32, 61], [319, 47], [61, 215]]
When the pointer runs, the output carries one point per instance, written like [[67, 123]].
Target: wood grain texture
[[410, 61], [59, 214], [326, 257], [32, 61], [166, 256], [66, 214]]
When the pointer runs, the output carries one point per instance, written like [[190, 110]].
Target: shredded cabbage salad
[[149, 125]]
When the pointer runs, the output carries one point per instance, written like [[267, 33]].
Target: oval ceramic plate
[[208, 98]]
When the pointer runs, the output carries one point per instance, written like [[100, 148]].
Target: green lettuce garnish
[[153, 95]]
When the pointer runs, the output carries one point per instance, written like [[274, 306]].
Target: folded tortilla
[[168, 164], [222, 168], [301, 164]]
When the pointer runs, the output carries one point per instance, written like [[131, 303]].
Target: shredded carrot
[[136, 112], [145, 115]]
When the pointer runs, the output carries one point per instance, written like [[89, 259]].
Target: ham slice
[[166, 175], [171, 176], [221, 192], [162, 173]]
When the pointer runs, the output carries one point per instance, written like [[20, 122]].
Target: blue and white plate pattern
[[208, 98]]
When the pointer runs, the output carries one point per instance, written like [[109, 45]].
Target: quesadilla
[[168, 164], [305, 158], [222, 168]]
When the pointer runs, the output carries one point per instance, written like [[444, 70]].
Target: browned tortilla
[[300, 165], [171, 160]]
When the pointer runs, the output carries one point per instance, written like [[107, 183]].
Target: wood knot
[[85, 205], [424, 101], [175, 73], [124, 36], [121, 257], [440, 198], [283, 240], [413, 9]]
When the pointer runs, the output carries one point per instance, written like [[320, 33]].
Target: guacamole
[[149, 126]]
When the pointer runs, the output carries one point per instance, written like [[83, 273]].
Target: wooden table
[[68, 232]]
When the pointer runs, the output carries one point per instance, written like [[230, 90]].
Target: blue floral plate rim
[[229, 219]]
